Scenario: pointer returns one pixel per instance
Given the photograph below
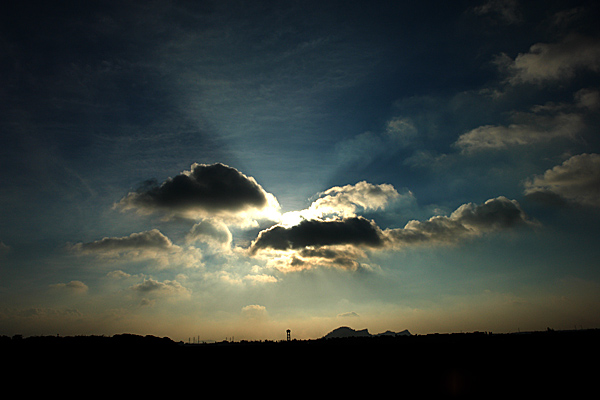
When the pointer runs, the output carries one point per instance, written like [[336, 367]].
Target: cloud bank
[[342, 239]]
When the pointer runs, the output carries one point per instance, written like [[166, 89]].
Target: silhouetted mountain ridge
[[347, 332]]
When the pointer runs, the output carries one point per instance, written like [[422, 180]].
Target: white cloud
[[542, 123], [260, 278], [255, 312], [118, 274], [346, 201], [534, 128], [147, 245], [576, 180], [547, 62], [211, 231], [230, 278]]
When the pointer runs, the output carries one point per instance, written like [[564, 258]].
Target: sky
[[231, 169]]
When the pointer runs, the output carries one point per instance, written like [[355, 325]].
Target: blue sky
[[217, 169]]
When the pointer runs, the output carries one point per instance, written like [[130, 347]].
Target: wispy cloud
[[4, 248], [149, 240], [350, 314], [76, 287], [533, 128], [360, 150], [260, 278], [542, 123], [507, 11]]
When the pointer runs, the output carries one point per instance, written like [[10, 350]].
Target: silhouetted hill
[[390, 333], [346, 332]]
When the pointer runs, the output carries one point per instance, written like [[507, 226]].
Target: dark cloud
[[166, 288], [348, 257], [468, 220], [350, 314], [205, 189], [495, 214], [344, 258], [316, 233]]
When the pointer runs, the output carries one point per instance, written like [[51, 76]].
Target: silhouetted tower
[[289, 335]]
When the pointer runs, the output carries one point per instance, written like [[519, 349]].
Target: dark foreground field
[[528, 365]]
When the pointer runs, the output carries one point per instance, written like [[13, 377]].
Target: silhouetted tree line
[[478, 363], [120, 340], [464, 349], [549, 336]]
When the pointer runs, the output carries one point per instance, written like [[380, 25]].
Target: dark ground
[[478, 365]]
